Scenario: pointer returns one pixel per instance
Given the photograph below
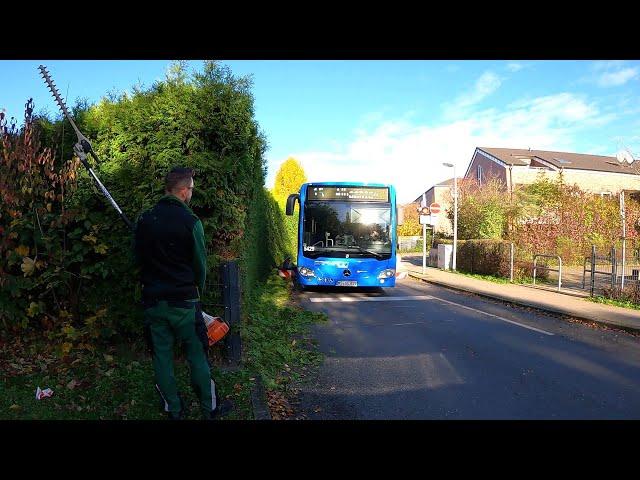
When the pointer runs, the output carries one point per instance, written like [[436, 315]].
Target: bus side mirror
[[291, 203], [400, 215]]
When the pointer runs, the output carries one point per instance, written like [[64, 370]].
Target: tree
[[482, 212], [64, 245], [289, 178], [411, 225]]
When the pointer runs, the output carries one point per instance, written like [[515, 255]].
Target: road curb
[[258, 401], [526, 304]]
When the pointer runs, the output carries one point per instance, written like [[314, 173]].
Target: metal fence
[[609, 270], [409, 242], [544, 267], [599, 273], [222, 298], [627, 269]]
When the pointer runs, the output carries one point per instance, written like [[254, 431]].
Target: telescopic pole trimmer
[[82, 146], [216, 327]]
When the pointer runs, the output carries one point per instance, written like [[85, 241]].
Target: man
[[170, 249]]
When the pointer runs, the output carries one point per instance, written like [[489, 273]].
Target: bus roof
[[354, 184]]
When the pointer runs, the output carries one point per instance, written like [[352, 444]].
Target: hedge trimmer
[[82, 148], [216, 327]]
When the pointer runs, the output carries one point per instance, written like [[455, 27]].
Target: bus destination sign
[[353, 194]]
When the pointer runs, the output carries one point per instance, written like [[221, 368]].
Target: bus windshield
[[337, 229]]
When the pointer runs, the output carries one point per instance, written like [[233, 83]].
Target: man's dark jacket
[[169, 247]]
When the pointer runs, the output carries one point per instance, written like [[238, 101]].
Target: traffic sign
[[434, 208], [428, 219]]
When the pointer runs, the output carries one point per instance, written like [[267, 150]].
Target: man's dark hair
[[178, 177]]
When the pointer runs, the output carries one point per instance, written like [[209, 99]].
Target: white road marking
[[492, 315], [418, 297], [367, 299]]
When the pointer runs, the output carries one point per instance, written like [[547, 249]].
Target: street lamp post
[[624, 237], [455, 212], [623, 156]]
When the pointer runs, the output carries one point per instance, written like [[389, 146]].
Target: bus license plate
[[347, 283]]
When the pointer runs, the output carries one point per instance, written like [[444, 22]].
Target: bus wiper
[[375, 254]]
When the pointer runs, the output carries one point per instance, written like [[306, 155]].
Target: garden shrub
[[66, 258]]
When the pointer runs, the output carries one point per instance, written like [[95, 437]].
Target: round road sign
[[434, 208]]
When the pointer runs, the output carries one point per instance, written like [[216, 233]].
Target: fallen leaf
[[15, 407], [72, 384], [28, 266]]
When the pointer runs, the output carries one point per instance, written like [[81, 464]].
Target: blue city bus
[[347, 234]]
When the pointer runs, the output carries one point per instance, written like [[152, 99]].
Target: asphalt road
[[420, 351]]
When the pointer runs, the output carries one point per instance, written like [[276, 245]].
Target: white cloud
[[410, 156], [514, 67], [611, 73], [607, 65], [614, 79], [488, 83]]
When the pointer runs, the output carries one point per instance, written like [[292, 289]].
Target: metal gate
[[610, 270], [222, 298]]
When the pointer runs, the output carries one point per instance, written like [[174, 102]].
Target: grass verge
[[115, 382], [494, 279], [279, 346], [617, 303]]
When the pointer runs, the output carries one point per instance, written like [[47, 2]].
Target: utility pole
[[624, 157], [624, 236], [455, 213], [424, 238]]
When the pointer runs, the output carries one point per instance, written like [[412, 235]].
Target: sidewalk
[[568, 303]]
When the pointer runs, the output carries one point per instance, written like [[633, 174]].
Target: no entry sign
[[434, 208]]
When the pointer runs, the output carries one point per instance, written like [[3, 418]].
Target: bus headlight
[[388, 273], [306, 272]]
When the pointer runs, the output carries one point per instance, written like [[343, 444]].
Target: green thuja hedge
[[66, 259]]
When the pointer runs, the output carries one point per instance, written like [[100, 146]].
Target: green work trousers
[[169, 322]]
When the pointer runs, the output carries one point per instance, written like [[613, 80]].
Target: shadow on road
[[369, 291]]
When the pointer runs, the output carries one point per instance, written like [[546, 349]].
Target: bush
[[483, 257], [492, 257], [482, 211], [631, 293], [66, 259]]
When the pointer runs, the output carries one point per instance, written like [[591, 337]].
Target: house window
[[480, 175], [605, 194]]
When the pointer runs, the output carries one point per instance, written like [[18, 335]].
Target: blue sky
[[390, 121]]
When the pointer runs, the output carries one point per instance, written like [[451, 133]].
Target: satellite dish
[[624, 156]]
